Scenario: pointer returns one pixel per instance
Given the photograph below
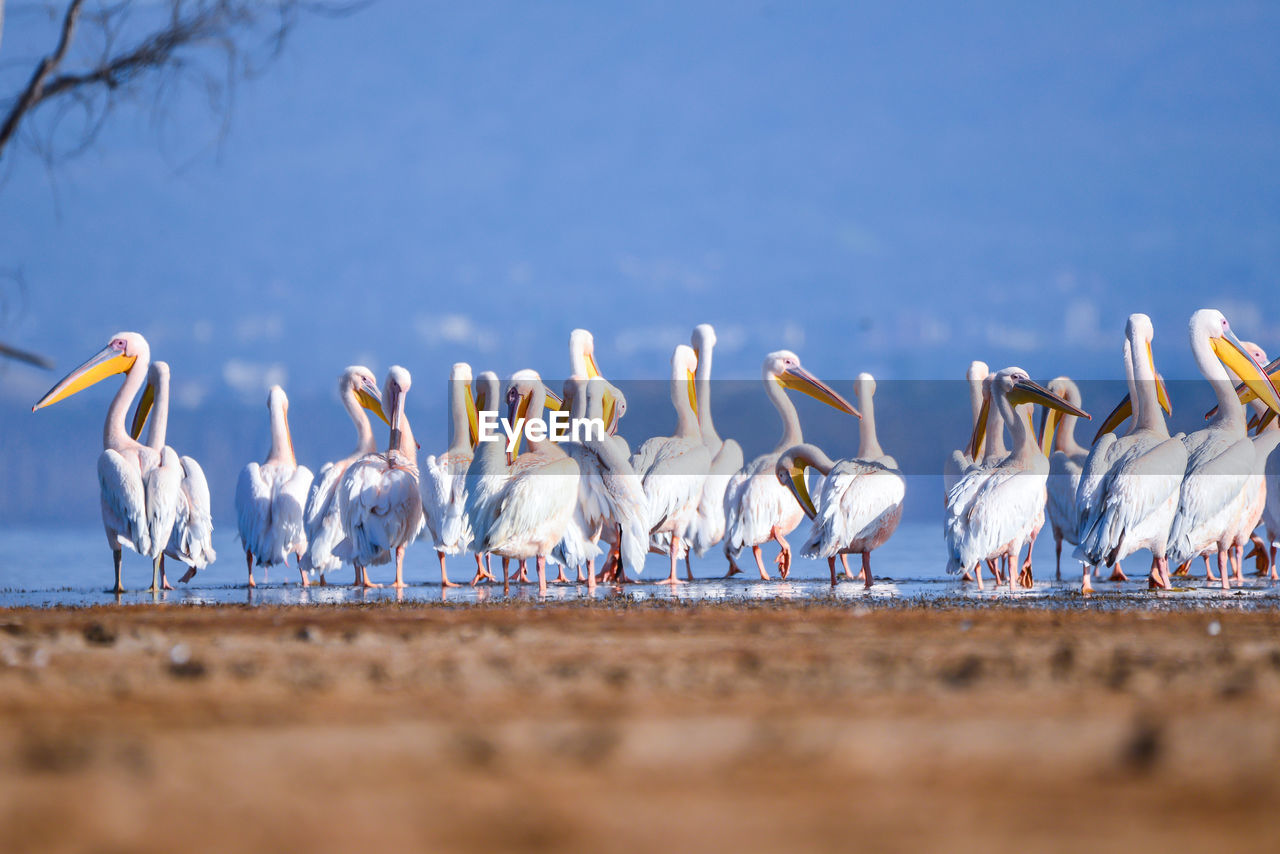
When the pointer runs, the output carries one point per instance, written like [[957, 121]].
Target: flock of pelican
[[1180, 497], [592, 507]]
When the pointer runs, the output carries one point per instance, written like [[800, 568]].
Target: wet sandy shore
[[629, 726]]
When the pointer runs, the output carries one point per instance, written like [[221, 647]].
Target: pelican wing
[[761, 501], [857, 500], [444, 498], [192, 538], [1215, 477], [708, 527], [253, 508], [673, 482], [1134, 500], [1063, 484], [124, 513], [322, 520], [989, 509], [535, 507], [381, 510]]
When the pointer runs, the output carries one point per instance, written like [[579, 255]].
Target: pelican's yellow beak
[[798, 379], [1245, 393], [144, 409], [473, 418], [1265, 420], [551, 401], [693, 392], [1026, 391], [516, 413], [593, 370], [105, 363], [793, 478], [1232, 353], [1049, 420], [1117, 417], [1162, 393], [979, 430], [372, 401]]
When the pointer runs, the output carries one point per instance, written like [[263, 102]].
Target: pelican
[[378, 498], [270, 497], [1066, 461], [674, 468], [191, 541], [582, 363], [1271, 506], [133, 478], [1128, 487], [860, 501], [757, 508], [322, 519], [487, 393], [444, 478], [522, 508], [578, 547], [960, 460], [1255, 498], [1220, 457], [726, 455], [992, 511]]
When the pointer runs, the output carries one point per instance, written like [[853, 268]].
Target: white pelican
[[191, 541], [1066, 461], [1128, 487], [726, 455], [322, 520], [578, 547], [488, 393], [860, 500], [520, 509], [1220, 457], [994, 511], [611, 497], [757, 508], [378, 498], [270, 497], [444, 478], [132, 477], [673, 468], [1271, 506], [960, 460]]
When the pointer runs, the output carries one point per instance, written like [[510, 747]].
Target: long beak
[[1245, 394], [610, 412], [800, 380], [105, 363], [515, 414], [1232, 353], [372, 401], [551, 401], [473, 418], [1049, 420], [793, 479], [693, 393], [140, 414], [1265, 420], [1117, 417], [1026, 391], [593, 370], [979, 430], [1162, 395], [397, 414]]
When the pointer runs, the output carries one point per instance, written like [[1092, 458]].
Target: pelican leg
[[1156, 579], [977, 572], [541, 563], [524, 571], [1117, 573], [994, 568], [444, 573], [1208, 570], [784, 553], [688, 564], [248, 559], [1024, 573], [831, 564], [591, 575], [362, 578], [580, 579], [1237, 560], [1086, 580], [399, 582], [1057, 552], [116, 558], [155, 575], [482, 574], [188, 575], [1271, 575], [164, 577], [755, 551], [1224, 567], [866, 570], [734, 569], [675, 547], [844, 561], [506, 576], [306, 582]]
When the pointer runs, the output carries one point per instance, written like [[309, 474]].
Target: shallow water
[[52, 566]]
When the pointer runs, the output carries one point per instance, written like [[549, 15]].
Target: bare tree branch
[[33, 93], [182, 42]]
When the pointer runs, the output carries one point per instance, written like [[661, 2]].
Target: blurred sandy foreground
[[596, 727]]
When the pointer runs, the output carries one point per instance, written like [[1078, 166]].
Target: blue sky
[[880, 187]]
